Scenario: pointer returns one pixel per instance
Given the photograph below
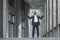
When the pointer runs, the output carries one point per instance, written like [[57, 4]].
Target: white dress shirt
[[35, 18]]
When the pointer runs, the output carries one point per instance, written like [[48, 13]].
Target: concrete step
[[29, 38]]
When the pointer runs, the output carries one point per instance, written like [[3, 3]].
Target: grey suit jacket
[[32, 17]]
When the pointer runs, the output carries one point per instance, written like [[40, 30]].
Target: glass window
[[11, 18], [10, 30], [11, 24]]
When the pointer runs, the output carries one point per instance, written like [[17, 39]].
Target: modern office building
[[14, 21]]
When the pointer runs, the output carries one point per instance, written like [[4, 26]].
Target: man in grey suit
[[35, 23]]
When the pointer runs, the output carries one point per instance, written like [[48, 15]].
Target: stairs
[[29, 38]]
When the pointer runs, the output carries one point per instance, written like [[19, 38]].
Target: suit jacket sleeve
[[40, 17], [30, 17]]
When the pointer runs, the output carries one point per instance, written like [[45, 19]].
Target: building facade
[[14, 21]]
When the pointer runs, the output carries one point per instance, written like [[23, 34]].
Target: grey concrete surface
[[30, 39]]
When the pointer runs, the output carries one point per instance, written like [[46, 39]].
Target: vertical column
[[54, 12], [48, 16], [42, 22], [5, 18], [45, 18], [1, 18], [26, 20], [15, 33], [55, 32], [58, 8], [52, 18], [57, 16], [18, 18]]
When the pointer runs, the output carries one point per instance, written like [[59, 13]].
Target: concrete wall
[[1, 18]]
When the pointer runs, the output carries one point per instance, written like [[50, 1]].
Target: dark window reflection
[[11, 3]]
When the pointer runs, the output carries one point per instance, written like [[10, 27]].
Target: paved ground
[[30, 39]]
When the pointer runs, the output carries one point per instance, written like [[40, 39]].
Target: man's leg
[[37, 27], [33, 31]]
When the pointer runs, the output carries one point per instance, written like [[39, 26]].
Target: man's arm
[[30, 17], [40, 17]]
